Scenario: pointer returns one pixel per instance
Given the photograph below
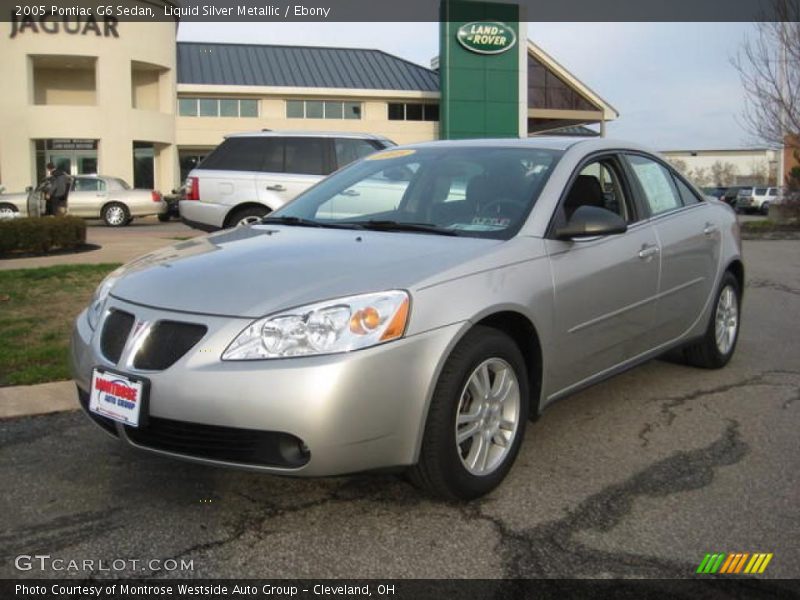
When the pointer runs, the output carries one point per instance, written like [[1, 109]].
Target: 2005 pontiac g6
[[412, 310]]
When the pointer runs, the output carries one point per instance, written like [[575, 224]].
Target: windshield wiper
[[403, 226], [301, 222]]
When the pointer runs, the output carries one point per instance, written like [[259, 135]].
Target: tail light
[[192, 189], [155, 196]]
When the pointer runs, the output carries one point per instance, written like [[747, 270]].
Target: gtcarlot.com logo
[[45, 562], [734, 563]]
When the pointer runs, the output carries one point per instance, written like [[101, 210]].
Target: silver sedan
[[91, 197], [413, 311]]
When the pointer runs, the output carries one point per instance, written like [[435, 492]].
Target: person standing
[[58, 189]]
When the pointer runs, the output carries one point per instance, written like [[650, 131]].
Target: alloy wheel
[[727, 319], [487, 418]]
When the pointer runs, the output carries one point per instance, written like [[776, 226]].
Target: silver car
[[418, 331], [90, 197]]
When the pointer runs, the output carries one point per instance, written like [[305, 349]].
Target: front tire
[[719, 342], [765, 209], [116, 214], [477, 418]]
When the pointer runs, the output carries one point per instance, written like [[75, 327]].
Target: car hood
[[254, 271]]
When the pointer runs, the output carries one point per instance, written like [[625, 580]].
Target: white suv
[[250, 174], [757, 199]]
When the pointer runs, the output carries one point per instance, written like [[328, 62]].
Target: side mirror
[[591, 221]]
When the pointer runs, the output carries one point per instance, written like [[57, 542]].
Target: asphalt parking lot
[[640, 476]]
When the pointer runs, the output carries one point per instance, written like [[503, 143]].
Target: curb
[[41, 399]]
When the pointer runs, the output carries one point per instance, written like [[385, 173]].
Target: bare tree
[[723, 173], [769, 67], [700, 176], [679, 164]]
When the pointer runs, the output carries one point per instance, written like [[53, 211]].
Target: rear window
[[245, 154]]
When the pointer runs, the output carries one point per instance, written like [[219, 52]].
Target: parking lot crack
[[772, 285], [552, 550]]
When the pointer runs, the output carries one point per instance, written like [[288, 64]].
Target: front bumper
[[355, 411]]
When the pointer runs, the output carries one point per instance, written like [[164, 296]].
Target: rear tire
[[246, 216], [765, 209], [7, 210], [116, 214], [476, 419], [719, 341]]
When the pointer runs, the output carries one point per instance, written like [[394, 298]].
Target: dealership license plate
[[118, 397]]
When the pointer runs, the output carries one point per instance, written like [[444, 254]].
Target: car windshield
[[475, 192]]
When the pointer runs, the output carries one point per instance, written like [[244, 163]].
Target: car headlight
[[327, 327], [100, 296]]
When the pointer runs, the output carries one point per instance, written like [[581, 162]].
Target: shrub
[[41, 235]]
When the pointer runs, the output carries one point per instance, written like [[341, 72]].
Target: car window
[[245, 154], [350, 150], [381, 192], [477, 192], [305, 156], [659, 189], [598, 184], [688, 197], [88, 185], [761, 191]]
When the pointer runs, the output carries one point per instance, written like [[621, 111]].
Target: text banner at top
[[50, 12]]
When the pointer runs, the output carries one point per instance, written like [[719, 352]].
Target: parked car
[[716, 192], [92, 197], [420, 333], [756, 199], [111, 199], [730, 195], [251, 174]]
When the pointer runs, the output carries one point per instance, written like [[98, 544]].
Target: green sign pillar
[[482, 70]]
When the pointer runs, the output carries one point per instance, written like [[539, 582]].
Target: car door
[[690, 239], [604, 287], [305, 160], [87, 196]]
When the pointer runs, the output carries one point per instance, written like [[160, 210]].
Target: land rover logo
[[486, 37]]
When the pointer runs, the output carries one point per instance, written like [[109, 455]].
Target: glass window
[[294, 109], [397, 111], [209, 107], [413, 112], [333, 110], [352, 110], [656, 181], [350, 150], [314, 109], [248, 108], [272, 150], [687, 195], [761, 191], [238, 154], [431, 112], [477, 192], [83, 184], [305, 155], [228, 108], [187, 107]]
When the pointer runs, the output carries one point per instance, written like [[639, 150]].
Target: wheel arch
[[736, 268], [226, 222]]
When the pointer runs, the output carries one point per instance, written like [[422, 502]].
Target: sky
[[672, 83]]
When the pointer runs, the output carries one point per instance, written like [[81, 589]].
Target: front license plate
[[117, 396]]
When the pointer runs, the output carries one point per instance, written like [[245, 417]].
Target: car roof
[[307, 133], [588, 144]]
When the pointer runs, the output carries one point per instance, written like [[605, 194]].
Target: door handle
[[276, 188], [648, 252], [709, 229]]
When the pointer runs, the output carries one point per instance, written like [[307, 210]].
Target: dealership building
[[127, 99]]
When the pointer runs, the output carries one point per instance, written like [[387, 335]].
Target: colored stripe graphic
[[734, 563]]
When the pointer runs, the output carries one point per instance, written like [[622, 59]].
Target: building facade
[[744, 166], [127, 99]]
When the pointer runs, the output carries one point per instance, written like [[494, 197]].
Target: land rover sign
[[486, 37]]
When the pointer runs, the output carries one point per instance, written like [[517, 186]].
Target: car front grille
[[167, 342], [116, 330], [228, 444]]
